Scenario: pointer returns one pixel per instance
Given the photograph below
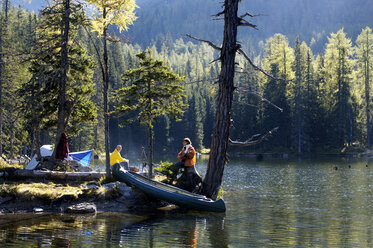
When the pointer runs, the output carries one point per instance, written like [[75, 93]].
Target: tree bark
[[150, 134], [105, 93], [12, 142], [3, 30], [367, 90], [1, 85], [63, 73], [150, 152], [220, 139]]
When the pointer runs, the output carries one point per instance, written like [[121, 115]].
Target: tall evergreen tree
[[278, 60], [42, 92], [152, 94], [365, 62], [338, 60]]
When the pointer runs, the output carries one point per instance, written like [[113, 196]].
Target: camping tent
[[83, 157]]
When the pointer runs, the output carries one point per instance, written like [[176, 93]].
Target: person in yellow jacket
[[115, 157]]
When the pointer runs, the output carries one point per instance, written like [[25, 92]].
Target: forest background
[[324, 49]]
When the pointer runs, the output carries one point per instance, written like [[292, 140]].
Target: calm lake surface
[[270, 203]]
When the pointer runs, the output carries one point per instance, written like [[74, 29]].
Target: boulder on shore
[[121, 188], [81, 208]]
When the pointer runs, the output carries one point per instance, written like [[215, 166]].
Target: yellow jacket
[[115, 157]]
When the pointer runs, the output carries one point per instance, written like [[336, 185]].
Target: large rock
[[78, 166], [121, 188], [81, 208]]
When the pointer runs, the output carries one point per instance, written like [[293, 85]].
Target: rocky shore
[[110, 197]]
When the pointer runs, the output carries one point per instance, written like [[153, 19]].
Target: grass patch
[[43, 191], [51, 191], [4, 165], [105, 180], [205, 150]]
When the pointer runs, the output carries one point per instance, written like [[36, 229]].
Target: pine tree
[[365, 62], [338, 62], [151, 94], [42, 91], [278, 61]]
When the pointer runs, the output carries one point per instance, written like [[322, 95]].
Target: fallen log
[[52, 175]]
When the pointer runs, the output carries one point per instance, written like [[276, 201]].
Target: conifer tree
[[365, 62], [151, 93], [42, 92], [339, 64]]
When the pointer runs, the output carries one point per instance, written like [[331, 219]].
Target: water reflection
[[180, 230], [270, 203]]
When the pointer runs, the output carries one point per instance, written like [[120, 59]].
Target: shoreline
[[118, 198]]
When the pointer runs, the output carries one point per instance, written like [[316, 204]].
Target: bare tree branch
[[243, 22], [247, 104], [221, 12], [258, 68], [250, 15], [243, 90], [206, 41], [215, 60], [251, 142]]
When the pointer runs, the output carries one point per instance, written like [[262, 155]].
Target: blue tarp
[[83, 157]]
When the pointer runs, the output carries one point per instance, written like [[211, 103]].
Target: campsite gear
[[83, 157], [166, 192]]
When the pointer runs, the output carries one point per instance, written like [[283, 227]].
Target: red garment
[[62, 151]]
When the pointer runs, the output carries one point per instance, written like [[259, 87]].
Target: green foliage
[[168, 169], [41, 92], [108, 12], [104, 180], [151, 92], [324, 102], [4, 165]]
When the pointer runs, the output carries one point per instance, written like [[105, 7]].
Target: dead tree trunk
[[223, 117], [220, 139], [105, 92]]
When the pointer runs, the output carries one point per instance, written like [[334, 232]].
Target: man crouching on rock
[[115, 157]]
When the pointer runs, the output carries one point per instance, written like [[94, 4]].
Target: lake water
[[270, 203]]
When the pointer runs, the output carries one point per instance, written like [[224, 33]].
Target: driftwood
[[52, 175]]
